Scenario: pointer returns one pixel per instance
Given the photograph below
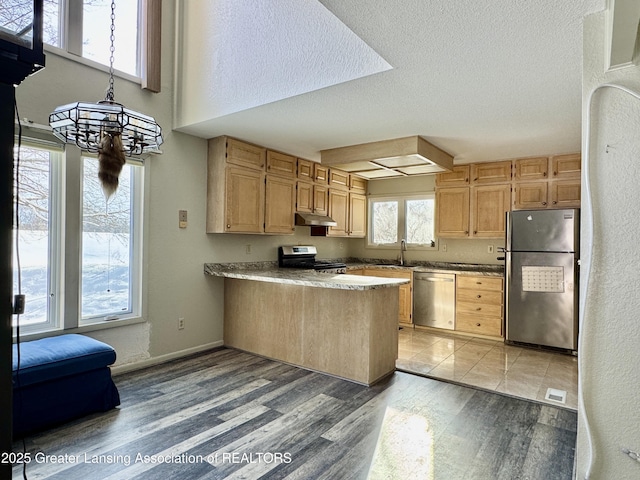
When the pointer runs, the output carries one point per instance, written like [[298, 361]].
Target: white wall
[[610, 338]]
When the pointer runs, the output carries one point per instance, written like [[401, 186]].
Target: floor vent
[[556, 395]]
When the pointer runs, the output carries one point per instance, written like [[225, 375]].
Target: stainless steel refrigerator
[[541, 294]]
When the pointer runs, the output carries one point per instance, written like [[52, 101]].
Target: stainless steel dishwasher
[[434, 299]]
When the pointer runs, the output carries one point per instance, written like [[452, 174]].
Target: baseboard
[[149, 362]]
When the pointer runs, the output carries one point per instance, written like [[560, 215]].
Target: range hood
[[399, 157], [313, 220]]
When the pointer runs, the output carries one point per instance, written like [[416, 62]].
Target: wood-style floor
[[228, 414]]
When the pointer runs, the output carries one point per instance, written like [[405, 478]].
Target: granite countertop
[[269, 272]]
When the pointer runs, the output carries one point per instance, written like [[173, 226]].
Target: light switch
[[182, 219]]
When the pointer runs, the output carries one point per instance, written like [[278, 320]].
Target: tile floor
[[488, 364]]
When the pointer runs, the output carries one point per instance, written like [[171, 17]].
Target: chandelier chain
[[110, 95]]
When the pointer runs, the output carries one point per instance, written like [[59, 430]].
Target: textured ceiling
[[483, 80]]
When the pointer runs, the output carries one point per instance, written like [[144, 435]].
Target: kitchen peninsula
[[342, 325]]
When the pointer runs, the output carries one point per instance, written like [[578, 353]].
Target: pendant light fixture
[[107, 128]]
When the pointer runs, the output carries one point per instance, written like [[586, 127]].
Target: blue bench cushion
[[55, 357]]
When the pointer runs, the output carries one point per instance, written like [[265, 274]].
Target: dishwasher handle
[[433, 279]]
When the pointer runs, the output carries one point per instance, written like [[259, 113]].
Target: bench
[[61, 378]]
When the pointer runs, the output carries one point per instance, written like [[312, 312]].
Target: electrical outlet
[[182, 218], [247, 249], [490, 249], [444, 247], [181, 323]]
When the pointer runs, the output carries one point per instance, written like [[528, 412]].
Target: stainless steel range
[[304, 256]]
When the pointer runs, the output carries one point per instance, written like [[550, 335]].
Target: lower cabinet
[[479, 305], [405, 307]]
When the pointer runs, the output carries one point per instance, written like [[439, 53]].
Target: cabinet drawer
[[480, 325], [479, 283], [479, 309], [485, 297], [458, 176]]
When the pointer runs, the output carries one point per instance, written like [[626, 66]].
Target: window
[[411, 218], [38, 237], [84, 29], [70, 235], [106, 245]]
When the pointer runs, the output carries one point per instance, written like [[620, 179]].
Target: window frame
[[65, 266], [148, 64], [402, 226], [55, 244]]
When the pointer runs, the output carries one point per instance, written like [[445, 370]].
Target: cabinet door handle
[[554, 202], [475, 232], [544, 174], [478, 309], [555, 173], [466, 232], [478, 283], [478, 325], [478, 296], [228, 226], [544, 203]]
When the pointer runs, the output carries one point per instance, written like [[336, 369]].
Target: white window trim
[[401, 199]]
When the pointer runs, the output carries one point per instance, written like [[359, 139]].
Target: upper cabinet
[[552, 182], [536, 168], [249, 189], [493, 172], [471, 200], [457, 177], [281, 164], [566, 166], [240, 153], [347, 204]]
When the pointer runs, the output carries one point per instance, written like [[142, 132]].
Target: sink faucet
[[403, 248]]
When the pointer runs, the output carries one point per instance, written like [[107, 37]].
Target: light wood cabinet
[[554, 194], [339, 212], [244, 201], [479, 305], [527, 169], [357, 184], [489, 205], [320, 174], [452, 212], [457, 177], [491, 172], [281, 164], [405, 306], [564, 193], [279, 207], [320, 199], [305, 170], [244, 154], [566, 166], [338, 179], [241, 196], [477, 211], [304, 197], [357, 215], [532, 195], [347, 206]]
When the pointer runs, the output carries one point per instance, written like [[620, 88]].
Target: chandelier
[[107, 127]]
